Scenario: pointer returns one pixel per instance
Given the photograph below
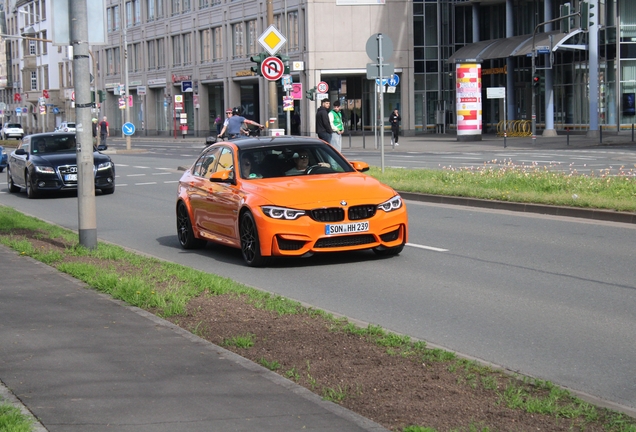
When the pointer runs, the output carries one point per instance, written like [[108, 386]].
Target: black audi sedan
[[47, 162]]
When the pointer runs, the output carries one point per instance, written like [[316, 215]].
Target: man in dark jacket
[[323, 127]]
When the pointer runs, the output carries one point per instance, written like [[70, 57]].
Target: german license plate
[[354, 227], [70, 177]]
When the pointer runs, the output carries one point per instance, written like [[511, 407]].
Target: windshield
[[48, 145], [286, 160], [13, 125]]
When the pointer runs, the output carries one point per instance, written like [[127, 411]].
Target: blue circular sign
[[128, 129], [393, 80]]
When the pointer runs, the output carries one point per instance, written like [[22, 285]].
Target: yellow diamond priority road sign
[[272, 40]]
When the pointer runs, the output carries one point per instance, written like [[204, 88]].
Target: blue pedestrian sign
[[393, 80], [128, 129]]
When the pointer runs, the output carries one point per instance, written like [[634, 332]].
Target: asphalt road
[[548, 297]]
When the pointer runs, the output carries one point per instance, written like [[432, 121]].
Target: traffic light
[[565, 22], [311, 94], [285, 60], [536, 80], [102, 95], [586, 15], [258, 59]]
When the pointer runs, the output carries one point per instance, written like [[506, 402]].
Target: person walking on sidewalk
[[335, 121], [395, 119], [104, 132], [323, 128]]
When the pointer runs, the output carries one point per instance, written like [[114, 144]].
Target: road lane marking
[[144, 184], [431, 248], [135, 175], [162, 173]]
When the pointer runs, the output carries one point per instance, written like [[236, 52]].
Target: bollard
[[567, 133], [600, 134], [632, 132]]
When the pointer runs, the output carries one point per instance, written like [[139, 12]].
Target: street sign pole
[[380, 60]]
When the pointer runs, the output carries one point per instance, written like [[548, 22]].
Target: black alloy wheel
[[185, 233], [30, 187], [250, 244]]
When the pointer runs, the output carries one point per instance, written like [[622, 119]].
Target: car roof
[[49, 134], [259, 142]]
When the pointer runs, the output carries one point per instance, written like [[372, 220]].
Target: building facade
[[36, 78], [199, 51]]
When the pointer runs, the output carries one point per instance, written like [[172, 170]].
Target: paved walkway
[[80, 361], [437, 142]]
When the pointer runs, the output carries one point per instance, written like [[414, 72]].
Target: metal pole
[[273, 91], [78, 17], [380, 60], [126, 89], [534, 92], [505, 119]]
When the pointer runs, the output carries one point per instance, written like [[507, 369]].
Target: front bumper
[[306, 236]]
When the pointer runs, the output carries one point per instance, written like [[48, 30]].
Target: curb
[[595, 214]]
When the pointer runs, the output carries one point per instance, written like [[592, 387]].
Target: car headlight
[[282, 212], [44, 169], [104, 165], [392, 204]]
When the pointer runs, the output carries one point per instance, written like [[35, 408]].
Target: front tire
[[250, 244], [12, 186], [31, 190], [185, 233]]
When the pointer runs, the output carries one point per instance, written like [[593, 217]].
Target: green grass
[[504, 181], [12, 420]]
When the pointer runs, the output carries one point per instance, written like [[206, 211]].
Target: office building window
[[44, 44], [32, 47], [203, 4], [117, 60], [137, 11], [176, 50], [238, 40], [34, 80], [129, 14], [217, 43], [152, 55], [186, 6], [205, 42], [252, 38], [150, 10], [42, 10], [187, 48], [161, 53], [292, 31]]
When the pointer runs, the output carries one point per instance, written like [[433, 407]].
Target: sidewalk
[[439, 142], [80, 361]]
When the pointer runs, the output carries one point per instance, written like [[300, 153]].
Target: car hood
[[70, 158], [320, 190]]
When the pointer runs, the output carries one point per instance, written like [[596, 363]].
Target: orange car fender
[[264, 238]]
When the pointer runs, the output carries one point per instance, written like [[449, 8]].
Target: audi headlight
[[103, 166], [44, 169], [282, 212], [392, 204]]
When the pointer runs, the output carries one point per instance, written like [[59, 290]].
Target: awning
[[512, 46]]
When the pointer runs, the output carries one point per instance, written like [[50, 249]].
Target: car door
[[18, 163], [198, 187], [224, 199]]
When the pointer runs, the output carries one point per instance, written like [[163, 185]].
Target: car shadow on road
[[230, 255]]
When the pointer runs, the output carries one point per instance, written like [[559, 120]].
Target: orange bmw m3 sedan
[[286, 196]]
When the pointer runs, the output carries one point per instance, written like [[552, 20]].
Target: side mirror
[[20, 152], [360, 166], [226, 176]]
